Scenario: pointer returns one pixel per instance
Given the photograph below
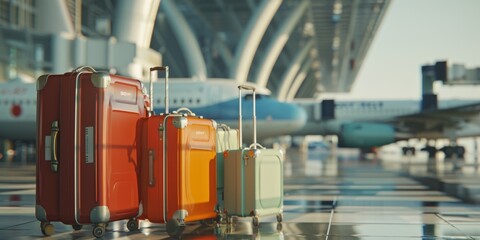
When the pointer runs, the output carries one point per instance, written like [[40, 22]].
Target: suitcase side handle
[[84, 68], [250, 88], [223, 126], [255, 145], [184, 109], [151, 176], [54, 134], [159, 68]]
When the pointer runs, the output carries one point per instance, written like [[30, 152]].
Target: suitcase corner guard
[[100, 214], [180, 214], [101, 79], [40, 213], [42, 82], [180, 122]]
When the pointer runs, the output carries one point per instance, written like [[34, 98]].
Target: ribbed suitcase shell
[[182, 183], [178, 166], [253, 182], [227, 139], [253, 177], [96, 181]]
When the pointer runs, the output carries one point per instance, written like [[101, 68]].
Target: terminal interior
[[296, 51]]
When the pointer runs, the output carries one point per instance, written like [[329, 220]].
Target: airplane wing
[[436, 121]]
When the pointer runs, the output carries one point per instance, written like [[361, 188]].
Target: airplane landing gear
[[431, 150], [408, 151], [453, 151]]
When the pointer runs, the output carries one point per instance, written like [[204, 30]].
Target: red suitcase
[[87, 167], [178, 167]]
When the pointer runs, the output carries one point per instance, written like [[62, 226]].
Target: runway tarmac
[[326, 197]]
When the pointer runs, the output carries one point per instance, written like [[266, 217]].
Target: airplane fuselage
[[216, 99], [383, 112]]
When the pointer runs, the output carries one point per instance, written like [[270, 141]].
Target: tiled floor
[[336, 197]]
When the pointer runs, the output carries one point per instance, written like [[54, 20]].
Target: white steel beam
[[293, 69], [53, 17], [187, 40], [279, 40], [251, 38], [299, 79], [134, 21]]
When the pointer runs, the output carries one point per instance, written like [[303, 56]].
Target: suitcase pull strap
[[84, 68], [159, 68], [251, 88], [54, 134], [184, 109]]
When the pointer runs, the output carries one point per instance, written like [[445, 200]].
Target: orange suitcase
[[178, 167], [87, 167]]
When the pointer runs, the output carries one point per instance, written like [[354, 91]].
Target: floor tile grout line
[[445, 220], [16, 225], [334, 204]]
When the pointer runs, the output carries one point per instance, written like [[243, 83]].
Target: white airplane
[[368, 124], [216, 99]]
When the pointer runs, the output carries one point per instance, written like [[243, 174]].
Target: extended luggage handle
[[159, 68], [53, 146], [250, 88]]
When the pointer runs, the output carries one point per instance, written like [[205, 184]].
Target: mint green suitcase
[[227, 139], [253, 177]]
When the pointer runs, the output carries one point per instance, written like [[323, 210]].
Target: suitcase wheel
[[98, 231], [229, 219], [77, 227], [206, 222], [219, 218], [174, 227], [279, 217], [42, 227], [47, 228], [279, 227], [255, 221], [132, 224]]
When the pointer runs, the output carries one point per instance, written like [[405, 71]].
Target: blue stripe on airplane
[[266, 108]]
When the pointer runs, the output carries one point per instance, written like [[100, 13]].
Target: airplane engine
[[365, 135]]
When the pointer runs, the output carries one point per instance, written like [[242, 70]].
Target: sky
[[414, 33]]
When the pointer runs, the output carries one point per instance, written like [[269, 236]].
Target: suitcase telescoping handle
[[159, 68], [254, 145], [53, 146]]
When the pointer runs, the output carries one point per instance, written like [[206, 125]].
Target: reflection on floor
[[326, 197]]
